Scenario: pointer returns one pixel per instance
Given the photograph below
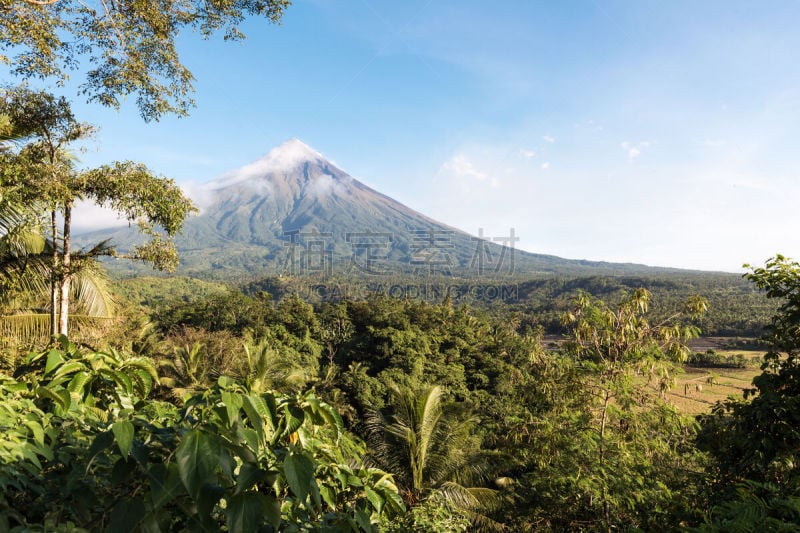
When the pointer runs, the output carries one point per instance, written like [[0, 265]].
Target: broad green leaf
[[53, 360], [375, 499], [294, 418], [123, 434], [165, 483], [251, 411], [196, 457], [61, 397], [121, 379], [394, 500], [299, 472], [125, 516], [272, 510], [207, 500], [249, 475], [259, 406], [329, 496], [333, 418], [362, 518], [233, 402], [142, 381], [249, 436], [100, 443], [68, 368], [245, 511], [38, 432], [78, 382]]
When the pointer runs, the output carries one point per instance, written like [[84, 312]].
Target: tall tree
[[757, 443], [130, 46], [44, 174], [622, 434], [40, 169]]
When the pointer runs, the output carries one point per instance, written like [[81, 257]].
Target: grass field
[[693, 394]]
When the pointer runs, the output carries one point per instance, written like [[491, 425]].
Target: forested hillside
[[382, 414]]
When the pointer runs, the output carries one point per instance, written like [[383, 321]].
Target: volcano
[[293, 212]]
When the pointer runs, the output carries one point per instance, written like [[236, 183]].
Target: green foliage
[[611, 453], [45, 177], [435, 456], [755, 507], [130, 47], [131, 190], [154, 292], [228, 310], [83, 445], [505, 433], [431, 516], [713, 359], [735, 307], [756, 443]]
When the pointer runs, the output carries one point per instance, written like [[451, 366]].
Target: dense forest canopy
[[431, 416]]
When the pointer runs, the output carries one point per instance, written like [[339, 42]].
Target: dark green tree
[[757, 443]]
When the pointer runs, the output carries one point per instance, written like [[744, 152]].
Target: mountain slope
[[294, 212]]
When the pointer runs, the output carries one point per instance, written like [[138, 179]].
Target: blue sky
[[663, 133]]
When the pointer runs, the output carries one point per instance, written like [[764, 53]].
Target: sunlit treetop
[[127, 47]]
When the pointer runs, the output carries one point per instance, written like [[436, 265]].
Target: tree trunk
[[604, 495], [54, 278], [66, 278]]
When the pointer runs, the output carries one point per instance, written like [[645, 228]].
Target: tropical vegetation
[[196, 405]]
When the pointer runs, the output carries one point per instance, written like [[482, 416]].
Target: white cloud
[[527, 154], [634, 149], [545, 165], [89, 217], [280, 159], [459, 165], [324, 185], [548, 139]]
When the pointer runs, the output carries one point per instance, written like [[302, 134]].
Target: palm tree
[[26, 274], [34, 132], [266, 368], [188, 371], [434, 455]]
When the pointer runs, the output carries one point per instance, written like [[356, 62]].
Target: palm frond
[[91, 289], [267, 368], [35, 327]]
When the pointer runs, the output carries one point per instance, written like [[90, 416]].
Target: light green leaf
[[53, 360], [375, 499], [123, 433]]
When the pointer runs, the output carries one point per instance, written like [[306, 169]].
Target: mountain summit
[[286, 157], [294, 212], [295, 190]]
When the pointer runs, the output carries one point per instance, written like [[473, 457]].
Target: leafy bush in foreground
[[83, 449]]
